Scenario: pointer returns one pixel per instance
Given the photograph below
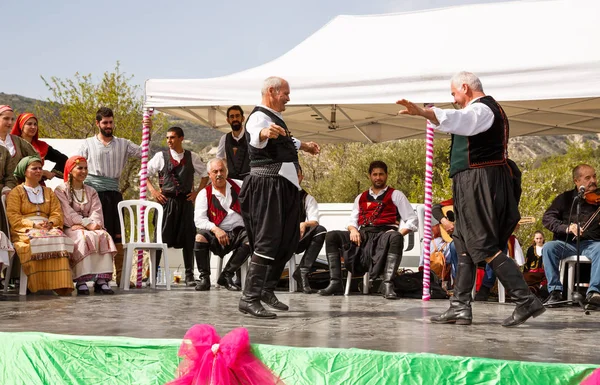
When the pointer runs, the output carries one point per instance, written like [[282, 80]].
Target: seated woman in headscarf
[[36, 221], [7, 182], [17, 147], [92, 258], [26, 126]]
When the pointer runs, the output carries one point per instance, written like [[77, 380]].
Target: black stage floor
[[357, 321]]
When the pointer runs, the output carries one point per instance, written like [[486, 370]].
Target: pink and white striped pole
[[428, 199], [143, 178]]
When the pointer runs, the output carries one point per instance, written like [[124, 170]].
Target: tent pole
[[428, 199], [143, 178]]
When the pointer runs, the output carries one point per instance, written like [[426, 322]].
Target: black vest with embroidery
[[277, 150], [303, 195], [488, 148], [177, 178], [238, 161]]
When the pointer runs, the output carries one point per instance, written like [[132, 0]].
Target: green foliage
[[71, 113], [544, 179], [340, 172]]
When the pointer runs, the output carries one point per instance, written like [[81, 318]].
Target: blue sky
[[164, 39]]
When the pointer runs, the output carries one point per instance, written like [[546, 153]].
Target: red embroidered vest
[[216, 212], [377, 212]]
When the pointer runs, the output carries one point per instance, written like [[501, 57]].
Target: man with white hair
[[270, 197], [220, 227], [486, 188]]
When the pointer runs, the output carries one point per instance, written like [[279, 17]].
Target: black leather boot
[[268, 292], [202, 253], [528, 305], [460, 303], [188, 262], [235, 262], [335, 275], [391, 268], [308, 259], [250, 301]]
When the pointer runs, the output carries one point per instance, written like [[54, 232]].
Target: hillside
[[520, 148]]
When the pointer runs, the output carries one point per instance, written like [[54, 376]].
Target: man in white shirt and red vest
[[220, 226], [233, 146], [270, 197], [175, 168], [374, 240], [486, 188]]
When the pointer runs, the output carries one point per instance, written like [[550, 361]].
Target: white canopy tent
[[540, 59]]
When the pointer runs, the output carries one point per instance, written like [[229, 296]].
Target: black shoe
[[226, 281], [190, 281], [592, 300], [528, 305], [203, 283], [82, 289], [483, 294], [250, 301], [301, 278], [335, 275], [271, 300], [458, 313], [99, 290], [555, 299], [391, 268]]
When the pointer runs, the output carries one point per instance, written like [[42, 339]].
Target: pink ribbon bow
[[209, 359]]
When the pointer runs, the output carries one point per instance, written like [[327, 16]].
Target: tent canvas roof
[[540, 59]]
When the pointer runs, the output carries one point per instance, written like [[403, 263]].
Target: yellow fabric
[[48, 274]]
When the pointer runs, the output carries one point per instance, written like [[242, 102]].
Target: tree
[[71, 112]]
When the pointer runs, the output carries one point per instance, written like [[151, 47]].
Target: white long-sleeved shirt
[[312, 209], [408, 217], [157, 163], [221, 153], [474, 119], [230, 222]]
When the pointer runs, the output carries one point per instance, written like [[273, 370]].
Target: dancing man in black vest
[[373, 242], [312, 237], [486, 188], [220, 226], [270, 197], [175, 168], [233, 146]]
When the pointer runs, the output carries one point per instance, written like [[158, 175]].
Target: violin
[[592, 198]]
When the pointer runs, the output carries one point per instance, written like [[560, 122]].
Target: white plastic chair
[[135, 239], [365, 283], [23, 277], [569, 264]]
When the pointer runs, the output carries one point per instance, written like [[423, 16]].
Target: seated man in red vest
[[220, 227], [374, 241]]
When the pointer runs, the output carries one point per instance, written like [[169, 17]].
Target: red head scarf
[[40, 146], [4, 108], [72, 162]]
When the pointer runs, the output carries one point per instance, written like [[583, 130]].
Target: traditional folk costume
[[214, 209], [311, 242], [376, 216], [44, 254], [44, 150], [105, 165], [176, 179], [235, 150], [271, 207], [486, 189], [93, 253]]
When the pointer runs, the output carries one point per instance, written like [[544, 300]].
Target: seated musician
[[443, 212], [559, 220], [374, 241]]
